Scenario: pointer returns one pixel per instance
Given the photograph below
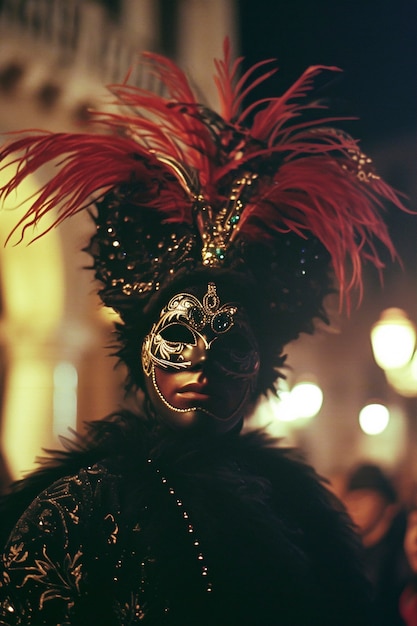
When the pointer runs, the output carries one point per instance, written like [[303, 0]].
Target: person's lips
[[194, 391]]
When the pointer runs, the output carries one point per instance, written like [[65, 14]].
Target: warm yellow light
[[64, 398], [302, 402], [306, 399], [393, 339], [374, 418], [32, 274], [27, 428], [109, 315], [34, 304], [283, 409], [404, 379]]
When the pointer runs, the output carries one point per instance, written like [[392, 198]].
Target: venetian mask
[[201, 361]]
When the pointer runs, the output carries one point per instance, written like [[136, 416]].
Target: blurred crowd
[[387, 525]]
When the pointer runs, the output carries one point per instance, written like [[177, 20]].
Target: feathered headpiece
[[268, 197]]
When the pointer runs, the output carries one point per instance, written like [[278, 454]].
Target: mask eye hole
[[234, 342], [234, 352], [177, 333]]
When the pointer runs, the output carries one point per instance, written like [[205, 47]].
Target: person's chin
[[199, 420], [209, 409]]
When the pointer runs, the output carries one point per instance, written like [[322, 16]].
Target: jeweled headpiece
[[268, 197]]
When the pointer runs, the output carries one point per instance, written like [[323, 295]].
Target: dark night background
[[374, 43]]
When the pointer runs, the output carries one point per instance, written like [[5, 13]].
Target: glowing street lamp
[[393, 339]]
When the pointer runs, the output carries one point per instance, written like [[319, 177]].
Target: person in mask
[[217, 239]]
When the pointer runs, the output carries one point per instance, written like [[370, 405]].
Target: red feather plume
[[177, 149]]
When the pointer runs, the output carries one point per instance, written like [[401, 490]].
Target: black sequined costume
[[167, 530]]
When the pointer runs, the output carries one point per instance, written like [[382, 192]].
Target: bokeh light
[[374, 418], [303, 401], [306, 399], [393, 339]]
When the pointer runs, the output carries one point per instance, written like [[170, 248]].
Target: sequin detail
[[189, 527]]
